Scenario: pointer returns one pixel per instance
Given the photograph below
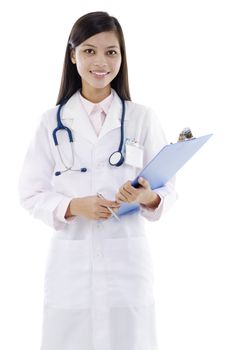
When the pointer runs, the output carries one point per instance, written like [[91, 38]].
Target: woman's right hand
[[93, 207]]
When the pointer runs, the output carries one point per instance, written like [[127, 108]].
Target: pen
[[111, 211]]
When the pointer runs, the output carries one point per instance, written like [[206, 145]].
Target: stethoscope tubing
[[61, 126]]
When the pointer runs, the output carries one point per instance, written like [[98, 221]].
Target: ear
[[72, 56]]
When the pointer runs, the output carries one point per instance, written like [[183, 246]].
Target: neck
[[95, 95]]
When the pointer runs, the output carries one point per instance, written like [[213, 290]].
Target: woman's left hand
[[142, 195]]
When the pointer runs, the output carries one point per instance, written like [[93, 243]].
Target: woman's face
[[98, 59]]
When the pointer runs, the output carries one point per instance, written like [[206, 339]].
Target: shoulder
[[48, 117], [145, 118], [137, 110]]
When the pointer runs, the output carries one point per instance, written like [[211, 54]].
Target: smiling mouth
[[99, 74]]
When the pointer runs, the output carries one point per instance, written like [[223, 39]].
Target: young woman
[[98, 291]]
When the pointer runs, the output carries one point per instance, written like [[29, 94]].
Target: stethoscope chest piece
[[116, 159]]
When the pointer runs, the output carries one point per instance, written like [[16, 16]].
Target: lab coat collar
[[104, 104], [80, 123]]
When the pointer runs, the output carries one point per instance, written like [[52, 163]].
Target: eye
[[88, 50], [110, 52], [113, 52]]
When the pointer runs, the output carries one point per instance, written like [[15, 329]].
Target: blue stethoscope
[[115, 159]]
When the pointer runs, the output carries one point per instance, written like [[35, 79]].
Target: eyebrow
[[108, 47]]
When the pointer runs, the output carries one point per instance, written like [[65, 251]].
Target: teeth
[[100, 73]]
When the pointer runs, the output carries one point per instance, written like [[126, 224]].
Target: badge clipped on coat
[[133, 153]]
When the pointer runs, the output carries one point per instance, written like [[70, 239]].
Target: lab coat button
[[99, 165], [99, 254]]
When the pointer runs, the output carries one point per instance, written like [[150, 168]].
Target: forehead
[[102, 39]]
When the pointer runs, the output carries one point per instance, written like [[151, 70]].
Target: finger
[[116, 206], [129, 188], [112, 204], [105, 216], [143, 182], [128, 195], [103, 211], [118, 201], [125, 190], [127, 184], [121, 197], [106, 203]]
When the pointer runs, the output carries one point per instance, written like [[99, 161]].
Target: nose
[[100, 60]]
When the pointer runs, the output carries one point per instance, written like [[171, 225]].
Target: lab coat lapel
[[79, 121], [76, 118], [113, 117]]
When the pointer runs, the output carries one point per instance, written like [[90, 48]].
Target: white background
[[177, 57]]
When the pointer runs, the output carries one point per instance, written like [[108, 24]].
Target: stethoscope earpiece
[[116, 158]]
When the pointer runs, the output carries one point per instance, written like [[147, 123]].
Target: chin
[[100, 85]]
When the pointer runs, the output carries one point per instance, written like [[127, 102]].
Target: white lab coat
[[98, 286]]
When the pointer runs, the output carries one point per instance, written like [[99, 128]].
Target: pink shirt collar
[[104, 104]]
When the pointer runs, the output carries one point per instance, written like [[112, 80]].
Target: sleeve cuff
[[152, 214], [61, 209]]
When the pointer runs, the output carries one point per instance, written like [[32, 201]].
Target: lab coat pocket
[[67, 276], [129, 271]]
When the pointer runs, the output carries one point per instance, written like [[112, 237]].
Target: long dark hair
[[86, 26]]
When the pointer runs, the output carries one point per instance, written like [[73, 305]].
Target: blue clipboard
[[164, 166]]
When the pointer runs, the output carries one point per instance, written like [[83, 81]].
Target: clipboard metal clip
[[185, 134]]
